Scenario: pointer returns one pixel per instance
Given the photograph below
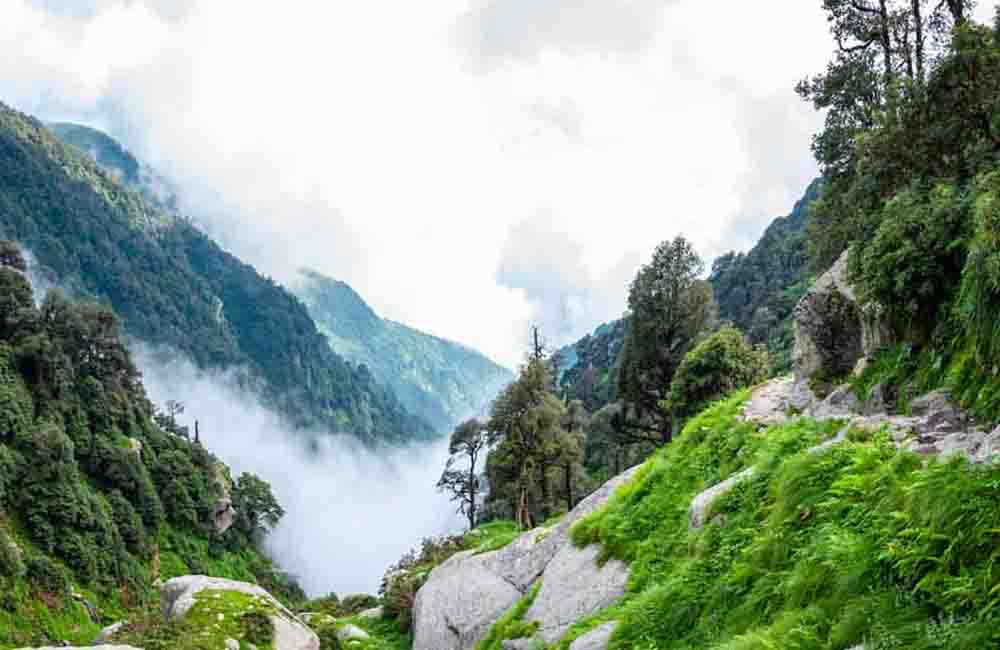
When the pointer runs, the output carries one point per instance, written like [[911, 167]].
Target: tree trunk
[[885, 35], [918, 26], [545, 507], [568, 471], [523, 511], [957, 9]]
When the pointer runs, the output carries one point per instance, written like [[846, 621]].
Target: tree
[[572, 443], [720, 364], [257, 510], [670, 306], [10, 255], [523, 424], [468, 441]]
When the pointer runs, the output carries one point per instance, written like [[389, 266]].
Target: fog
[[351, 512]]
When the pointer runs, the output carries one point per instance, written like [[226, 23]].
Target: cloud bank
[[351, 512]]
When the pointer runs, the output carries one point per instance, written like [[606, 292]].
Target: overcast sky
[[469, 166]]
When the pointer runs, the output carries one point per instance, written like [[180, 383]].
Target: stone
[[596, 639], [225, 515], [842, 403], [108, 633], [938, 413], [177, 597], [833, 332], [574, 586], [877, 402], [769, 404], [350, 633], [375, 613], [466, 594], [698, 512], [232, 644]]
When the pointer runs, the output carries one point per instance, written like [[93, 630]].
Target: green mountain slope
[[438, 380], [98, 501], [588, 369], [174, 287], [758, 290]]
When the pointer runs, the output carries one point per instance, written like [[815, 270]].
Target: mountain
[[175, 289], [758, 290], [436, 379], [588, 369], [101, 497]]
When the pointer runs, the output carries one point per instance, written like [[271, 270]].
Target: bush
[[46, 575], [980, 298], [722, 363], [911, 266], [11, 565]]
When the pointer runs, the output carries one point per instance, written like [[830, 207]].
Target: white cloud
[[358, 139]]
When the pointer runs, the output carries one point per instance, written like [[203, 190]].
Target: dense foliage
[[92, 492], [756, 291], [440, 381], [722, 363], [588, 369], [174, 287]]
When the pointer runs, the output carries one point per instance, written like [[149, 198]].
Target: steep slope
[[176, 288], [438, 380], [97, 501], [757, 290]]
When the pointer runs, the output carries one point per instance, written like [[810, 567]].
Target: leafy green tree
[[670, 307], [468, 441], [524, 421], [720, 364], [257, 509], [10, 255]]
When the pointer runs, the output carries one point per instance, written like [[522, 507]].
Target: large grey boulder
[[177, 598], [596, 639], [833, 332], [464, 596]]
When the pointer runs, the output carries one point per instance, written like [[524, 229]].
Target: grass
[[492, 536], [512, 624], [385, 634], [859, 543]]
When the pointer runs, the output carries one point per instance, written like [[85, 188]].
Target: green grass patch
[[858, 543], [492, 536], [512, 625]]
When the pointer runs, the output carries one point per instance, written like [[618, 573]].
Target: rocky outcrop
[[700, 506], [178, 597], [225, 515], [349, 634], [833, 331], [465, 595]]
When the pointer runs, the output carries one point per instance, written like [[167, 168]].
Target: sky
[[471, 167]]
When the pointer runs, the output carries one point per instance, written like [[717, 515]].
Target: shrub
[[11, 565], [722, 363], [980, 297], [911, 266], [46, 575]]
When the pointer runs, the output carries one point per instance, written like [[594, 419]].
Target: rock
[[596, 639], [575, 586], [225, 515], [938, 413], [698, 512], [317, 620], [465, 595], [177, 597], [769, 405], [108, 633], [842, 403], [374, 613], [350, 633], [516, 644], [877, 402], [832, 331], [232, 644]]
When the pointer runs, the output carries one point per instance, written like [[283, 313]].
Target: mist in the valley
[[351, 511]]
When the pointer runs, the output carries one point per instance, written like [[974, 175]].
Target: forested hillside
[[174, 287], [587, 370], [97, 500], [438, 380], [757, 290]]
